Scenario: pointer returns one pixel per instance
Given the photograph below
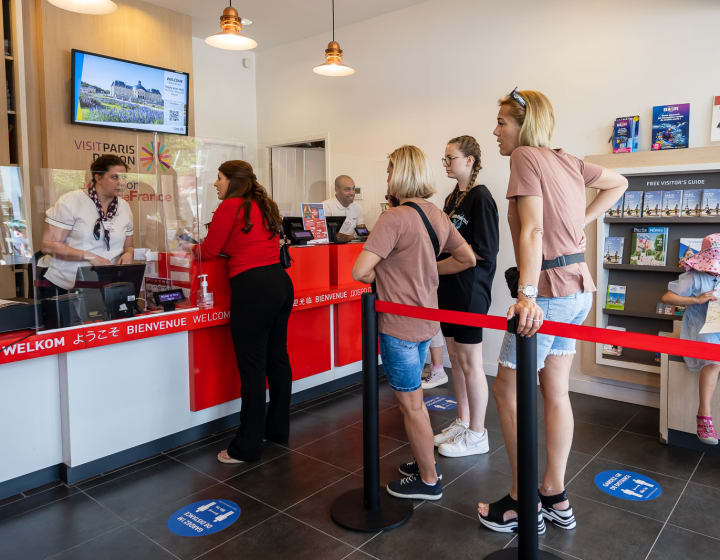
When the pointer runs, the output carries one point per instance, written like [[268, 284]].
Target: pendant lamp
[[333, 56], [230, 37], [92, 7]]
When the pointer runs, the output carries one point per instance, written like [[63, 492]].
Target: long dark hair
[[244, 184]]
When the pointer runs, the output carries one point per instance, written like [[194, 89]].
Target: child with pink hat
[[694, 288]]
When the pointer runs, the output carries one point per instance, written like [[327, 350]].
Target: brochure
[[610, 349], [689, 246], [652, 203], [632, 207], [649, 246], [671, 203], [613, 252], [712, 317], [313, 215], [615, 297], [615, 211], [711, 202], [670, 126], [691, 203], [625, 134], [715, 120]]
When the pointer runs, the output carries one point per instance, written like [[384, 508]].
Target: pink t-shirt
[[407, 272], [560, 180]]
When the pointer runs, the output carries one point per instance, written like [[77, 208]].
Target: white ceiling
[[282, 21]]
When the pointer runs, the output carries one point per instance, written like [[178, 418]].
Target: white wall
[[436, 70], [225, 103]]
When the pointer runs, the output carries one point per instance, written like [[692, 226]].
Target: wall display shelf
[[694, 168], [8, 75]]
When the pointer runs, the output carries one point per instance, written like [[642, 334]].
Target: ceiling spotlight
[[92, 7], [333, 57], [230, 37]]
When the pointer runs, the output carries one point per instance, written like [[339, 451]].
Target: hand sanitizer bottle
[[204, 298]]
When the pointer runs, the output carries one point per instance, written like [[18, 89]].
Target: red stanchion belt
[[653, 343]]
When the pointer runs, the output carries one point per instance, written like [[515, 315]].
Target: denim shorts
[[403, 362], [568, 309]]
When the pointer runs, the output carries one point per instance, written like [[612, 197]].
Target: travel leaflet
[[615, 297], [632, 207], [670, 126], [649, 246], [711, 202], [613, 252], [625, 134], [616, 210], [671, 204], [689, 246], [652, 203], [692, 203]]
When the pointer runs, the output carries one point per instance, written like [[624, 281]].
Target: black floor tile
[[359, 555], [659, 508], [576, 462], [390, 424], [281, 537], [44, 488], [252, 512], [186, 448], [11, 499], [699, 510], [435, 532], [346, 409], [344, 449], [315, 511], [121, 472], [604, 412], [603, 533], [646, 422], [54, 528], [205, 460], [35, 501], [305, 428], [480, 484], [286, 480], [648, 453], [675, 543], [120, 544], [150, 490], [708, 473]]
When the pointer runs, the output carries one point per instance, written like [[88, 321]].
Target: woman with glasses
[[547, 213], [473, 212], [91, 226]]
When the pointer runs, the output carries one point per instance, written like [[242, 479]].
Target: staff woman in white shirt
[[88, 227]]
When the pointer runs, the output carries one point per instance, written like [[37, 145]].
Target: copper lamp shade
[[230, 37]]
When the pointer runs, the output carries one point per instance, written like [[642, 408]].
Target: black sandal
[[495, 522], [562, 518]]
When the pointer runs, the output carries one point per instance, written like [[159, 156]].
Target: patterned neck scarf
[[102, 216]]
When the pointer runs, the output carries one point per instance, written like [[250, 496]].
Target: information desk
[[87, 399]]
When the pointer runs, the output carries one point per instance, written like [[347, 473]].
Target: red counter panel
[[309, 341], [310, 267], [342, 259], [347, 324]]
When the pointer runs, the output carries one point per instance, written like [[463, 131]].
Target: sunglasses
[[96, 233], [517, 97]]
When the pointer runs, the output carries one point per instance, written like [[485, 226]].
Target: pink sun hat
[[708, 259]]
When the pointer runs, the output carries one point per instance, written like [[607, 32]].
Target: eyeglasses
[[96, 233], [517, 97], [447, 160]]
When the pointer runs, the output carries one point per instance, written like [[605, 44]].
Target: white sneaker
[[435, 378], [449, 433], [466, 443]]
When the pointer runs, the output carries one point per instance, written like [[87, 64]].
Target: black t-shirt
[[476, 218]]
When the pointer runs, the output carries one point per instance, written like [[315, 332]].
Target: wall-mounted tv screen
[[122, 94]]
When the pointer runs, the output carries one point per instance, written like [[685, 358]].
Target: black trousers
[[260, 306]]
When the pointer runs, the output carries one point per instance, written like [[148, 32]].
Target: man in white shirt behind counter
[[342, 205]]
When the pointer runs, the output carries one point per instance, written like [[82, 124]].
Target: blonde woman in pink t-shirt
[[547, 213]]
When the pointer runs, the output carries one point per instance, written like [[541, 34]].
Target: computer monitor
[[334, 223], [90, 281], [292, 223]]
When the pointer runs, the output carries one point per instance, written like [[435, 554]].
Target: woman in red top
[[246, 227]]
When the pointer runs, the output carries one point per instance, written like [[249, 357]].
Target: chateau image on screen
[[117, 93]]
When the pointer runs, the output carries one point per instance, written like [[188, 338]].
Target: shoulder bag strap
[[428, 227]]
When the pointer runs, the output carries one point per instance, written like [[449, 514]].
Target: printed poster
[[313, 216]]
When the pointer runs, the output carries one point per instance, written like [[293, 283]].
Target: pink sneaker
[[706, 431]]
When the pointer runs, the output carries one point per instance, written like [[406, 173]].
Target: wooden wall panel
[[137, 31]]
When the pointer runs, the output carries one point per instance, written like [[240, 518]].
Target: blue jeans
[[403, 362], [568, 309]]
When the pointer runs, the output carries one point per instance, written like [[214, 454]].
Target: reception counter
[[84, 400]]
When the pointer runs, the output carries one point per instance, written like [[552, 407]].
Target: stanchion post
[[527, 452], [368, 509]]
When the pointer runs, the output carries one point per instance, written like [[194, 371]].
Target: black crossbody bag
[[512, 274], [428, 227]]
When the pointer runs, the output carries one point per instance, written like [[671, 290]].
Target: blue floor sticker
[[203, 518], [440, 403], [628, 485]]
